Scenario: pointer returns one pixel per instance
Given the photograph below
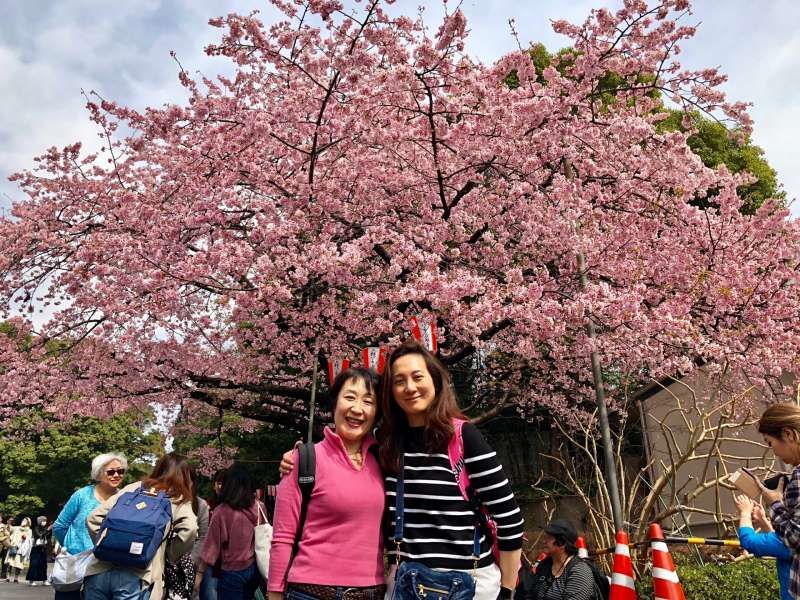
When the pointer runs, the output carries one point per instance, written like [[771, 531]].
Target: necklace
[[561, 567], [356, 457]]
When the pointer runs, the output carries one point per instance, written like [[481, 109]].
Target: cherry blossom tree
[[358, 169]]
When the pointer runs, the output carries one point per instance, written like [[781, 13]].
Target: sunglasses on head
[[112, 472]]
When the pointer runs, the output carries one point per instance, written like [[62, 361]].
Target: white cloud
[[122, 50]]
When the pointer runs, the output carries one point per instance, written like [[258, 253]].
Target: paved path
[[22, 591]]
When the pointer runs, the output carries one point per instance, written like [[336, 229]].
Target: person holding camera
[[780, 426]]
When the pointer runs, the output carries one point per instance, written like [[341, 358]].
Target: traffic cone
[[539, 559], [666, 585], [583, 552], [622, 586]]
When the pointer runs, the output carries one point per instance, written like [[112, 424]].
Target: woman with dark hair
[[207, 581], [340, 552], [420, 420], [40, 537], [105, 581], [421, 417], [231, 537], [562, 574]]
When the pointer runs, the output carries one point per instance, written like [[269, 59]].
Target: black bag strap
[[306, 478]]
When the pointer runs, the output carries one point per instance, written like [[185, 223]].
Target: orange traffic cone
[[539, 559], [666, 585], [622, 587], [583, 552]]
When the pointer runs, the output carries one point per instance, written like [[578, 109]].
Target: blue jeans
[[115, 584], [294, 594], [208, 587], [238, 585]]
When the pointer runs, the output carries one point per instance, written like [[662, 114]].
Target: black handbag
[[416, 581]]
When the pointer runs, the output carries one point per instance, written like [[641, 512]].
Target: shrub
[[752, 579]]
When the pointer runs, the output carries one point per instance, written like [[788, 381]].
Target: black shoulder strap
[[306, 477]]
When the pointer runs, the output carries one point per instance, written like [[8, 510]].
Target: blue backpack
[[133, 529]]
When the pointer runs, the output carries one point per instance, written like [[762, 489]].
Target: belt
[[331, 592]]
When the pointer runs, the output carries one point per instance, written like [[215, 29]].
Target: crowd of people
[[24, 548], [399, 474]]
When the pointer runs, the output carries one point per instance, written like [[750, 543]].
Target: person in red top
[[231, 537]]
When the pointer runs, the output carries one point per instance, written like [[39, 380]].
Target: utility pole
[[600, 395], [313, 405]]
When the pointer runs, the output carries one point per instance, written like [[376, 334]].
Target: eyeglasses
[[111, 472]]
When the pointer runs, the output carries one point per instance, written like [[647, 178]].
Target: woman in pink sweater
[[341, 544]]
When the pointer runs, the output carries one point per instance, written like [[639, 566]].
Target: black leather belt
[[334, 592]]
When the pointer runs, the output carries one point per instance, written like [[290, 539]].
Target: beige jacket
[[5, 536], [184, 532]]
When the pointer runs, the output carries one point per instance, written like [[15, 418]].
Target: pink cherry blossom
[[355, 172]]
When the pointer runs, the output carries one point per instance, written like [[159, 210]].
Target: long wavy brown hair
[[173, 475], [438, 419]]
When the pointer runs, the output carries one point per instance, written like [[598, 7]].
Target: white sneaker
[[47, 583]]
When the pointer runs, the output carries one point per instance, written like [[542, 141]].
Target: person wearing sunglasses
[[108, 472]]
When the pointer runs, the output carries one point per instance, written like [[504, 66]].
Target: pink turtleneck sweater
[[341, 542]]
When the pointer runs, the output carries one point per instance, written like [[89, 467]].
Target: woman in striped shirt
[[419, 409]]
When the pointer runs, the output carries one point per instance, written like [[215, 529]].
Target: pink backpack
[[455, 451]]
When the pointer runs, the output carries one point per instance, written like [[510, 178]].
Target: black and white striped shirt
[[439, 524], [575, 583]]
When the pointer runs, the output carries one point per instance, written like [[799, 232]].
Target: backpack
[[602, 588], [133, 530], [455, 451], [306, 478]]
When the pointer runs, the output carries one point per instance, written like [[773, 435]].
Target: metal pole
[[313, 406], [600, 395], [602, 413]]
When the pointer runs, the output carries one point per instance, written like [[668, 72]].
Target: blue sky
[[49, 51]]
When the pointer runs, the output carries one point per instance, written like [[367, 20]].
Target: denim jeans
[[237, 585], [293, 593], [115, 584], [208, 587]]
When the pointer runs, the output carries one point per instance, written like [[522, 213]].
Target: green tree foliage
[[711, 140], [44, 461], [716, 146]]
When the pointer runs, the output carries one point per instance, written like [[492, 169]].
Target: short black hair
[[238, 489], [368, 376], [569, 546]]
